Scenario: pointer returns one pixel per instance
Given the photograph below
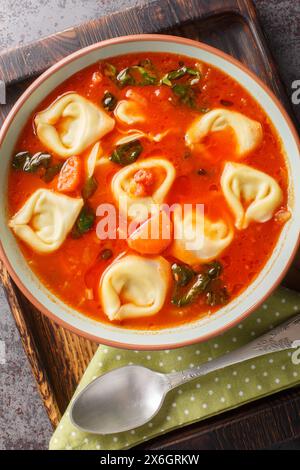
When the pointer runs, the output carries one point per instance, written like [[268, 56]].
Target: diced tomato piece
[[142, 183], [145, 177], [69, 177]]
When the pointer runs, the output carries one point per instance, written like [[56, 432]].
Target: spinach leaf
[[179, 73], [110, 71], [29, 163], [142, 74], [186, 94], [126, 153], [147, 64], [89, 187], [125, 78], [52, 171], [38, 160], [106, 254], [147, 78], [19, 160], [166, 81], [226, 102], [214, 269], [183, 89], [84, 222], [193, 72], [207, 282], [109, 101], [136, 75], [175, 74], [200, 284], [217, 297], [182, 274]]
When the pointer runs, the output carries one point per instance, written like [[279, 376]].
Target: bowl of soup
[[150, 192]]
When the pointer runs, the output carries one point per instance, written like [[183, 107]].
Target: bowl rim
[[74, 56]]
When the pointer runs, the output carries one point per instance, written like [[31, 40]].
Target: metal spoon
[[130, 396]]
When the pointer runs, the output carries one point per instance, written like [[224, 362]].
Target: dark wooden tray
[[58, 358]]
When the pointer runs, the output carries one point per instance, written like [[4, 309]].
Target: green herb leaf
[[226, 102], [183, 91], [166, 81], [110, 71], [125, 78], [19, 160], [147, 79], [182, 274], [175, 74], [201, 172], [84, 222], [127, 153], [201, 283], [147, 64], [206, 282], [106, 254], [214, 269], [179, 73], [136, 75], [186, 94], [142, 74], [89, 187], [193, 72], [109, 101], [29, 163], [52, 171], [217, 297], [39, 159]]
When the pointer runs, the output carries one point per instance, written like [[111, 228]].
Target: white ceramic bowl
[[204, 328]]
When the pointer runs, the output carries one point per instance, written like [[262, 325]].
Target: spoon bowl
[[122, 399]]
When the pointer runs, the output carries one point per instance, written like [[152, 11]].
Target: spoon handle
[[285, 336]]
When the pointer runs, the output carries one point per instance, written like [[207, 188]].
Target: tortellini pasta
[[134, 286], [138, 208], [129, 112], [248, 132], [197, 239], [45, 219], [71, 124], [252, 195]]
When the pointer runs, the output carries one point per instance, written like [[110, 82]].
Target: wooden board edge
[[281, 403], [30, 349]]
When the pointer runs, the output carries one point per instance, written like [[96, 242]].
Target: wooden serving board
[[58, 358]]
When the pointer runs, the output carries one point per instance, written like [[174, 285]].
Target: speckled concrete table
[[23, 421]]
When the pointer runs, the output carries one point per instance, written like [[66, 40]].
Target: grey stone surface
[[27, 20], [280, 20], [23, 421]]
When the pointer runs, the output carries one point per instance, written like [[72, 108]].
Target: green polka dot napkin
[[204, 397]]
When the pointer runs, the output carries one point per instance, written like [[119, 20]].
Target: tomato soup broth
[[73, 271]]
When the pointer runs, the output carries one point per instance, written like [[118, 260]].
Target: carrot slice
[[70, 175], [153, 236]]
